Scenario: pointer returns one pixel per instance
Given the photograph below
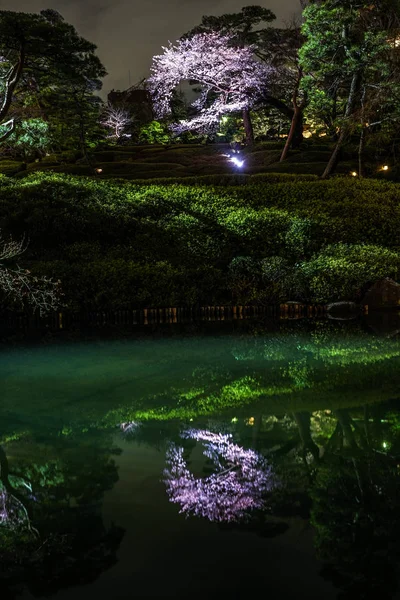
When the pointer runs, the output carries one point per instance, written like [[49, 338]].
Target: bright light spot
[[307, 134], [234, 420], [354, 173], [99, 170], [385, 445], [236, 161], [385, 168], [250, 421]]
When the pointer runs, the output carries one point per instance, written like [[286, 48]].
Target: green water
[[217, 464]]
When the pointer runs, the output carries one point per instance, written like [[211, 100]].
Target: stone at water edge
[[343, 310], [385, 293]]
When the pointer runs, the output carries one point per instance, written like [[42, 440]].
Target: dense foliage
[[49, 76], [116, 244]]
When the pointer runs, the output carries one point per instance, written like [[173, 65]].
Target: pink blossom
[[230, 77], [239, 483]]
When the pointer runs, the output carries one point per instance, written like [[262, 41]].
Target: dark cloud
[[129, 32]]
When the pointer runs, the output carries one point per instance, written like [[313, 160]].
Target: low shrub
[[344, 271], [236, 237], [11, 167]]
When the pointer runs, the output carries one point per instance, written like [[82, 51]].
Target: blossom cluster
[[12, 513], [230, 77], [239, 483]]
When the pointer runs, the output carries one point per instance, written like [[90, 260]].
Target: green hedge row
[[250, 239]]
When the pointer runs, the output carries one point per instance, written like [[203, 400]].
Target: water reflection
[[239, 481], [52, 533], [258, 432]]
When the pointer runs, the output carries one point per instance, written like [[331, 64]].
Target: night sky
[[129, 32]]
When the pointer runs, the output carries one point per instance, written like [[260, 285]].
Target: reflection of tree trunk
[[366, 425], [256, 429], [303, 422], [248, 127], [4, 478], [345, 421], [336, 439], [359, 479]]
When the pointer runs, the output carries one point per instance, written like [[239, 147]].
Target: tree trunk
[[82, 139], [9, 131], [297, 118], [362, 136], [248, 127], [330, 167], [361, 153], [11, 83], [298, 131]]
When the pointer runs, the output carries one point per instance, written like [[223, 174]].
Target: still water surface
[[262, 460]]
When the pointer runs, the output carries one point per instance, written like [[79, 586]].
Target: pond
[[221, 462]]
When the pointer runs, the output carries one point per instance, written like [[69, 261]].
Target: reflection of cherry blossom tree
[[129, 427], [14, 514], [230, 78], [239, 483]]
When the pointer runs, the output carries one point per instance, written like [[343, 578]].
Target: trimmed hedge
[[244, 239]]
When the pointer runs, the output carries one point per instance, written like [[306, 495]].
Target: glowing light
[[236, 161], [99, 170], [250, 421], [385, 445], [354, 173], [385, 168], [234, 420]]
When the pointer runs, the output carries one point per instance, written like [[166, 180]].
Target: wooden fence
[[65, 320]]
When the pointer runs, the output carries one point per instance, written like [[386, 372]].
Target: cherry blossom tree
[[116, 119], [230, 79], [20, 286], [240, 481]]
